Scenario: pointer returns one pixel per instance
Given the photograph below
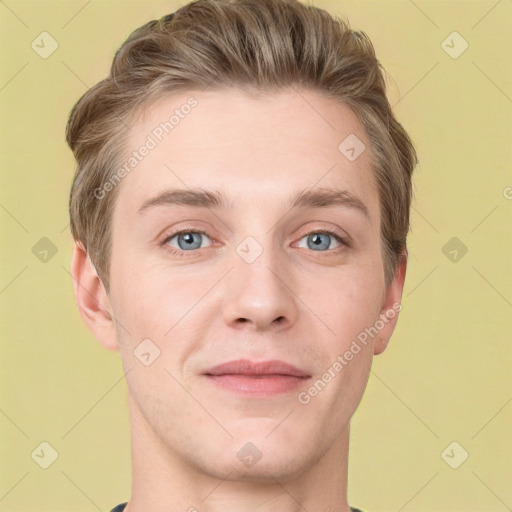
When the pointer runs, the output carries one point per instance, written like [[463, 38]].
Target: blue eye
[[187, 240], [321, 240]]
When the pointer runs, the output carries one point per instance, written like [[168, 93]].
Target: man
[[240, 211]]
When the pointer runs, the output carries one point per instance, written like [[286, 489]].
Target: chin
[[265, 471], [260, 459]]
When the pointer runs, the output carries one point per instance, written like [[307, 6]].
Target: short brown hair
[[263, 45]]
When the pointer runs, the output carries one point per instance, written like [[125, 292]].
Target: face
[[275, 274]]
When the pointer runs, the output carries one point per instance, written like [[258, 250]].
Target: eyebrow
[[198, 197]]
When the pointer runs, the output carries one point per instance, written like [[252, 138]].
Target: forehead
[[256, 149]]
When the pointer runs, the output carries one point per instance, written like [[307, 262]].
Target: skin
[[209, 305]]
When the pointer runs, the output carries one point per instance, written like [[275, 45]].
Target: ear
[[92, 299], [391, 305]]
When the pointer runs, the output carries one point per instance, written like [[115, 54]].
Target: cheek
[[139, 291], [350, 303], [157, 301]]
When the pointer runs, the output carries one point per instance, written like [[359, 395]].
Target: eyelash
[[344, 241]]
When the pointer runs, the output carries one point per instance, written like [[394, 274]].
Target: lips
[[257, 379], [256, 369]]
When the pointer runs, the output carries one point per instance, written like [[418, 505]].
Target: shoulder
[[121, 506]]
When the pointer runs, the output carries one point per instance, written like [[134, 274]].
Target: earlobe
[[391, 306], [91, 298], [380, 345]]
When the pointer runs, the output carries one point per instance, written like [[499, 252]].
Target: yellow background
[[446, 374]]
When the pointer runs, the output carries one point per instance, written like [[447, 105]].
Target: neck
[[163, 480]]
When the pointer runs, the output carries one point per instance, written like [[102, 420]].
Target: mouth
[[265, 378]]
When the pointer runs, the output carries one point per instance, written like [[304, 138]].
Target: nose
[[260, 294]]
